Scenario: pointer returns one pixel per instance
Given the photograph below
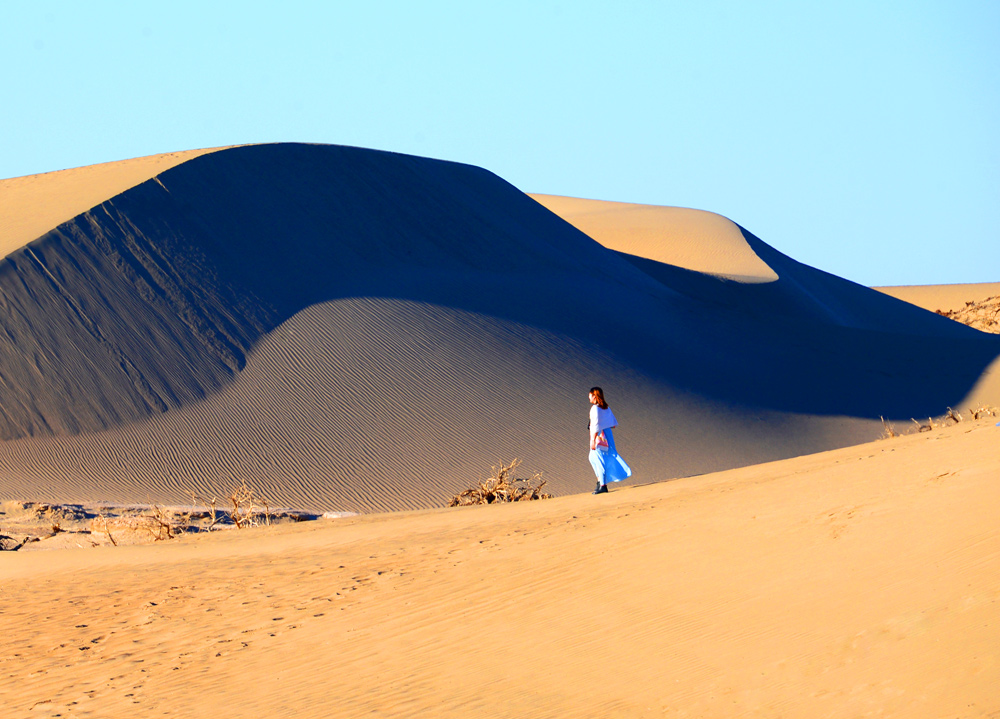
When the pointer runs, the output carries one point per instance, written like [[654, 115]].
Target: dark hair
[[600, 397]]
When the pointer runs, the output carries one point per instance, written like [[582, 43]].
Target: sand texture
[[857, 582], [352, 330]]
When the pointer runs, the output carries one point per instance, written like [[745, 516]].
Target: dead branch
[[888, 430], [165, 528], [501, 486]]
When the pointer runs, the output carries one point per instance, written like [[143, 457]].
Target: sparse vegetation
[[981, 314], [889, 430], [10, 544], [984, 412], [501, 486], [94, 525], [249, 508], [132, 528]]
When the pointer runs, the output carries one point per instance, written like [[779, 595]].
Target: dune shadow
[[154, 298]]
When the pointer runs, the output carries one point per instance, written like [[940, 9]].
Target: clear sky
[[862, 138]]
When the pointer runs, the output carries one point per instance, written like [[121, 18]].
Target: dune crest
[[693, 239], [32, 205]]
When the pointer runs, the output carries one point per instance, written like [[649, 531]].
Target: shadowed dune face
[[365, 330]]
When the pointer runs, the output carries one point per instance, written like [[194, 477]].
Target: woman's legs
[[597, 462]]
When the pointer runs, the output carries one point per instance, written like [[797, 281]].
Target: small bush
[[501, 486], [248, 508], [889, 430]]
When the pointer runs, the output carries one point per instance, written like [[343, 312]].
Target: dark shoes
[[601, 489]]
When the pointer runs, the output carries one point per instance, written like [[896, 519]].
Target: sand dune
[[943, 297], [858, 582], [692, 239], [358, 330]]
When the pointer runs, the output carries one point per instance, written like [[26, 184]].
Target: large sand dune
[[358, 330]]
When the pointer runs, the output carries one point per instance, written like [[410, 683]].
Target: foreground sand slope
[[858, 582], [356, 330]]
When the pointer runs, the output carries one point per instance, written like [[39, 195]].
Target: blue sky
[[862, 138]]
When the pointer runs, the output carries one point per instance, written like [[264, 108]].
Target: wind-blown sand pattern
[[858, 582], [357, 330]]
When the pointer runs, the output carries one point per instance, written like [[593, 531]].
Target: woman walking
[[608, 466]]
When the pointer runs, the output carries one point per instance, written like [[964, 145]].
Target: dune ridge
[[693, 239], [359, 330], [32, 205]]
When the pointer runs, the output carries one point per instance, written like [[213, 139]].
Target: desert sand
[[358, 331], [975, 305], [943, 297], [855, 582]]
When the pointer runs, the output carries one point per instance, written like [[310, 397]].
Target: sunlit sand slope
[[860, 582], [32, 205], [944, 297], [693, 239], [358, 330]]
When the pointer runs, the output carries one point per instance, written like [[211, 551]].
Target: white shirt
[[601, 419]]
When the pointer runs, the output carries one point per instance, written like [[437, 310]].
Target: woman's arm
[[593, 426]]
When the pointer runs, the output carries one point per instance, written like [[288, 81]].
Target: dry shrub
[[249, 509], [131, 528], [211, 511], [984, 411], [501, 486], [983, 315], [888, 429], [9, 544], [924, 427]]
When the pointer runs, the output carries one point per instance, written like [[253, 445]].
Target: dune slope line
[[360, 330]]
